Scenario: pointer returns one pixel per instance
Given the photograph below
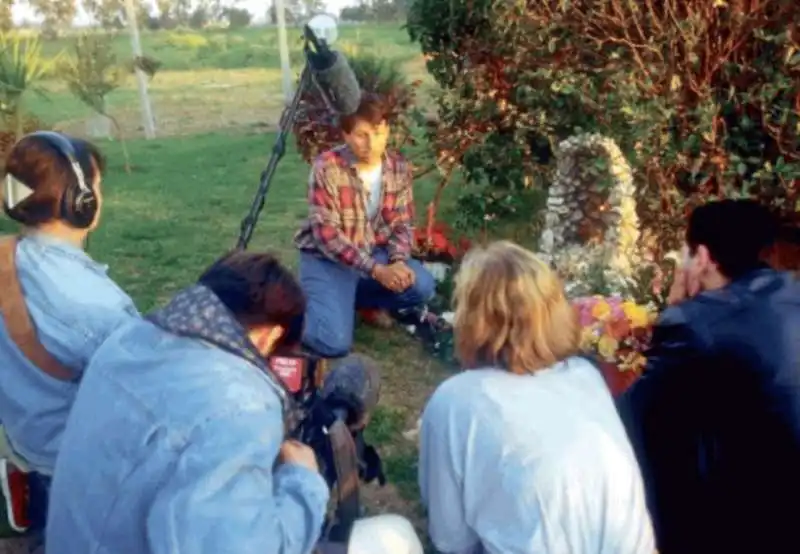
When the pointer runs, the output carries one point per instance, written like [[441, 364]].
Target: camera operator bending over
[[176, 439], [176, 442], [356, 244], [67, 304]]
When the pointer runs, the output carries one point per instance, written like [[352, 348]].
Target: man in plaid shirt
[[355, 246]]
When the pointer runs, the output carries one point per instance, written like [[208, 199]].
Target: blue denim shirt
[[74, 306], [171, 447]]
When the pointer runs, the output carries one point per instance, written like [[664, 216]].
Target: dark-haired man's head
[[726, 239], [48, 173], [366, 131], [263, 295]]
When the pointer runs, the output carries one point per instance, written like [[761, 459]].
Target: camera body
[[303, 375]]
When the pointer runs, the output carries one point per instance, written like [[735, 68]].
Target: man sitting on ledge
[[356, 244]]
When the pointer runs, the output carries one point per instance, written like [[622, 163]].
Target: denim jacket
[[74, 306], [172, 443]]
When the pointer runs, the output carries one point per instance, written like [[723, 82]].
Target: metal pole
[[278, 150], [147, 110], [283, 47]]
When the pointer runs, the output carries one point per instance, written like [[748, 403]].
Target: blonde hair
[[511, 311]]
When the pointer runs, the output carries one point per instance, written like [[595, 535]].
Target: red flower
[[435, 243], [618, 327]]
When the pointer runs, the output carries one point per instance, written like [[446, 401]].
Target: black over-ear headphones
[[78, 202]]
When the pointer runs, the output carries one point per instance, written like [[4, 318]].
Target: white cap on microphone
[[387, 534]]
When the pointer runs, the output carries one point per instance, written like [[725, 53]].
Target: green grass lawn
[[181, 208]]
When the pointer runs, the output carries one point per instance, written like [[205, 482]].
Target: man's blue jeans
[[334, 292]]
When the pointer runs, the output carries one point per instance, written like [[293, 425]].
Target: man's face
[[368, 141]]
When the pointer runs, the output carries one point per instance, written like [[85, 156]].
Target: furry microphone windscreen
[[339, 83], [353, 383]]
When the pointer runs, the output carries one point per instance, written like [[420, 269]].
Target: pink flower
[[585, 317]]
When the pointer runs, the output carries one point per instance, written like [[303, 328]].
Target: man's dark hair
[[373, 108], [47, 172], [735, 232], [258, 290]]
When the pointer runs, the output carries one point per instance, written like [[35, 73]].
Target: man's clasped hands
[[396, 276]]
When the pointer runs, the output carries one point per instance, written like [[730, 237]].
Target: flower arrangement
[[618, 331], [437, 244]]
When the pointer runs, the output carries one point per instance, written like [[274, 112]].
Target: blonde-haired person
[[525, 453]]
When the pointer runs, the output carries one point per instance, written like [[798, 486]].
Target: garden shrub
[[316, 128], [702, 97]]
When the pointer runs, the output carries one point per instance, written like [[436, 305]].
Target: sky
[[257, 7]]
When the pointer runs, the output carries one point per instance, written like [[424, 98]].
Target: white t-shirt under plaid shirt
[[373, 182]]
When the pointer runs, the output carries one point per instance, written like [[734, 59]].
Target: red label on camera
[[290, 370]]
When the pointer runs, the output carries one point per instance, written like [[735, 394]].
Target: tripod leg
[[278, 150]]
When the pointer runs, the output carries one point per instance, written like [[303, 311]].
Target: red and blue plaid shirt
[[338, 227]]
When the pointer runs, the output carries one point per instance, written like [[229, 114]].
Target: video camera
[[333, 404]]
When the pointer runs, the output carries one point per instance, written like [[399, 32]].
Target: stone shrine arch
[[588, 225]]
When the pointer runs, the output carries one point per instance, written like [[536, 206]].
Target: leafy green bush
[[92, 71], [316, 128], [23, 69], [702, 97]]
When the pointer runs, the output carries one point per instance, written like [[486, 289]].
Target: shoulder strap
[[17, 319], [348, 507]]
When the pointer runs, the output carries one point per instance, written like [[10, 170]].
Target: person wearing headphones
[[58, 305]]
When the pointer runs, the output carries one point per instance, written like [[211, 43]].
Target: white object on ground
[[385, 534], [438, 270], [413, 433]]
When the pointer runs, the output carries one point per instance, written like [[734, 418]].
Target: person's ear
[[703, 261], [264, 338]]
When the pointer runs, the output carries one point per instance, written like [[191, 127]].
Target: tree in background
[[6, 21], [237, 18], [111, 14], [375, 10], [293, 8], [703, 97], [196, 14], [91, 72], [57, 15]]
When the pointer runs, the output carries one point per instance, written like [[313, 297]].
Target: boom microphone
[[351, 389], [332, 75]]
